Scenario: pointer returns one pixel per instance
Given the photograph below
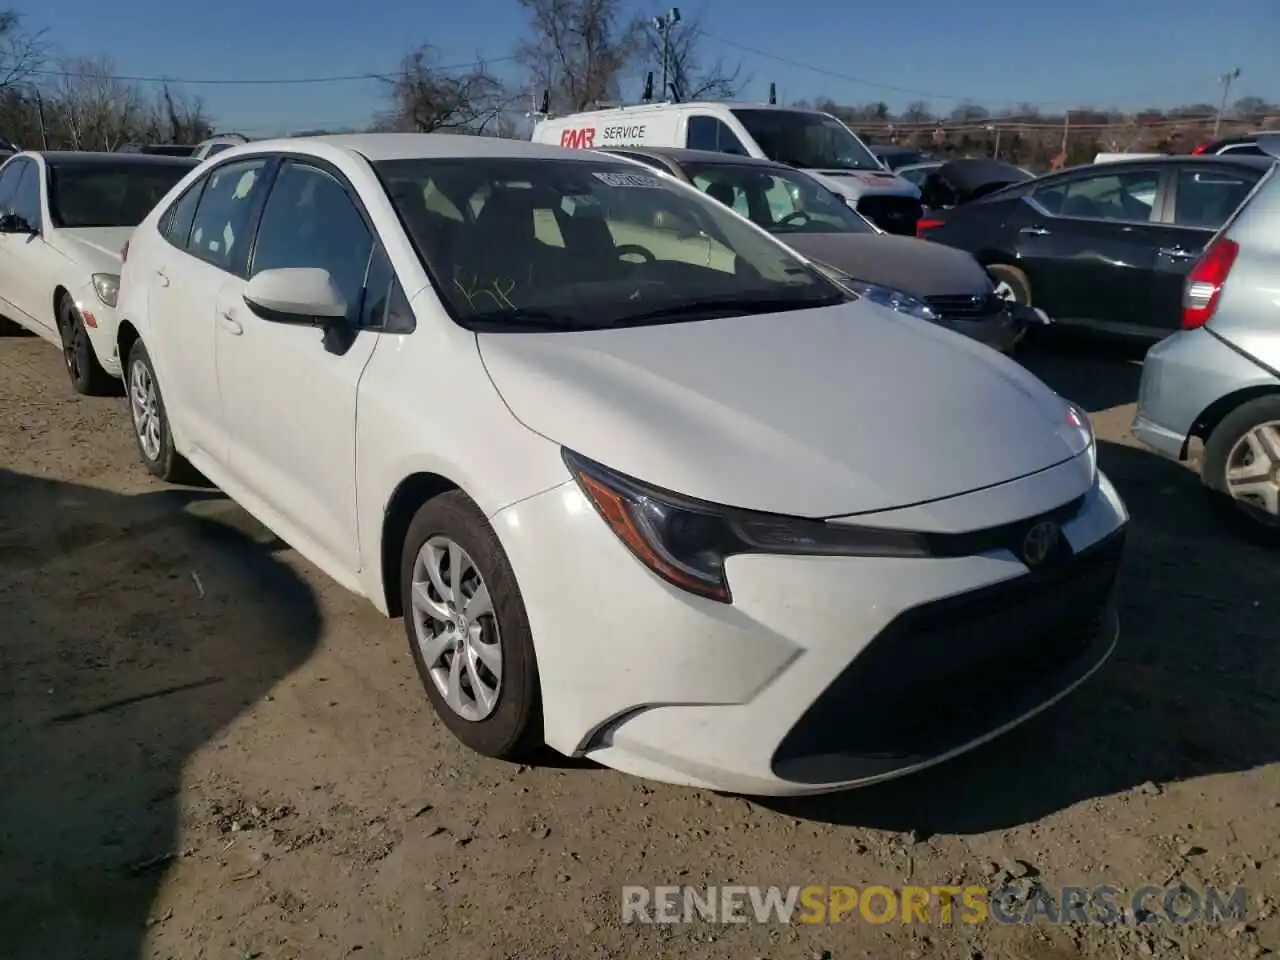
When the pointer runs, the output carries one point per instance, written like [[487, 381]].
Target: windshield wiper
[[515, 321], [726, 306]]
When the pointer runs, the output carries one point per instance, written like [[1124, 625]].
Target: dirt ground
[[209, 750]]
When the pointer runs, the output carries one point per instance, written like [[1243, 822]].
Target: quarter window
[[711, 133], [311, 221], [1129, 197], [1207, 197], [219, 231], [177, 222]]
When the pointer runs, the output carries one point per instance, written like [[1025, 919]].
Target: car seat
[[723, 192]]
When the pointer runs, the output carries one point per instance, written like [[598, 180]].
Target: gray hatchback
[[1218, 380], [945, 286]]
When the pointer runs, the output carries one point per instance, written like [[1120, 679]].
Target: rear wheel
[[1242, 463], [1011, 283], [86, 373]]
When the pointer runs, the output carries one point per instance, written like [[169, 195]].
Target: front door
[[290, 391]]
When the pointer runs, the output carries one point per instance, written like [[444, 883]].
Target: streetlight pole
[[663, 25], [1226, 80]]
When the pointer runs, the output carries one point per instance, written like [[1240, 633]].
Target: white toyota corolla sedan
[[645, 486]]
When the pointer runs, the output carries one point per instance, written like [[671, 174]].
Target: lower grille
[[978, 307], [946, 673], [897, 215]]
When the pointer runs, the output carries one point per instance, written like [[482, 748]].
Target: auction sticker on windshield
[[627, 179]]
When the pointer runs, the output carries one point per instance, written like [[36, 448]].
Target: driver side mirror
[[304, 296], [12, 223]]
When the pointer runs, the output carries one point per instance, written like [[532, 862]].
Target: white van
[[815, 142]]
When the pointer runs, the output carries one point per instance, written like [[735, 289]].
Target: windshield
[[109, 194], [781, 201], [533, 244], [810, 141]]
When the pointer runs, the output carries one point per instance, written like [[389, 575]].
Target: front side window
[[781, 202], [525, 244], [25, 201], [1206, 198], [711, 133], [109, 194], [809, 141], [310, 221], [1107, 196], [219, 231]]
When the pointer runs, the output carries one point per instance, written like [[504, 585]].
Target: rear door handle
[[231, 324], [1178, 253], [162, 277], [1034, 231]]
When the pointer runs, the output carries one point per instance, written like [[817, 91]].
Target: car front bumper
[[825, 672], [101, 323], [1182, 377]]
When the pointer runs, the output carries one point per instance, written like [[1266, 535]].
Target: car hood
[[828, 412], [913, 266], [861, 183], [98, 248]]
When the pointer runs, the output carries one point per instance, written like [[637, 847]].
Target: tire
[[1017, 281], [86, 373], [156, 447], [511, 729], [1227, 442]]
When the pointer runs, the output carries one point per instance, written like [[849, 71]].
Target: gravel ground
[[209, 750]]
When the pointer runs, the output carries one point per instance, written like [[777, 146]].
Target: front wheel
[[86, 373], [1242, 462], [468, 631], [150, 420]]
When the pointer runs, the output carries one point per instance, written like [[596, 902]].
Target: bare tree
[[22, 52], [690, 76], [917, 112], [91, 109], [425, 99], [578, 49], [181, 119]]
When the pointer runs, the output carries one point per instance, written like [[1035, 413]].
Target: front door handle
[[1034, 231], [231, 324], [1178, 253], [162, 278]]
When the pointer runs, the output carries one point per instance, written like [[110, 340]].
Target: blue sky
[[1126, 53]]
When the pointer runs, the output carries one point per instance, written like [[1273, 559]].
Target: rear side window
[[1206, 198], [1126, 196], [220, 229], [710, 133], [176, 225]]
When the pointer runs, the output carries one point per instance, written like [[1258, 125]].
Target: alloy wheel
[[144, 403], [456, 629]]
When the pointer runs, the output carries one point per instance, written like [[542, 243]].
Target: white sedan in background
[[64, 218], [644, 484]]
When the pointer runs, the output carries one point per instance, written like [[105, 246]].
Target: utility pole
[[44, 127], [1226, 80], [663, 25]]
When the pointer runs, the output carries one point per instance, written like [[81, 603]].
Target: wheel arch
[[59, 291], [409, 495], [1216, 412], [126, 336]]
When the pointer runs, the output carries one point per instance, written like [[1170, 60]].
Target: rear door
[[1200, 199], [1091, 252]]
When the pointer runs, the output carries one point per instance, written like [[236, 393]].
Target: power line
[[258, 81]]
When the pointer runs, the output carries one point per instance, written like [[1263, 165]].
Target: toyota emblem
[[1039, 542]]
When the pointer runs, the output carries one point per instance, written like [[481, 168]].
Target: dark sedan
[[1104, 246], [903, 273]]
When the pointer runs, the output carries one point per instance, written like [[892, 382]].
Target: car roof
[[376, 147], [1263, 163], [685, 155], [62, 158]]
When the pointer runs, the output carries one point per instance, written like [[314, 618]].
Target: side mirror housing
[[305, 296]]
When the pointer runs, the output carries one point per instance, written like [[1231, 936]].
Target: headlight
[[1078, 420], [894, 300], [687, 541], [107, 286]]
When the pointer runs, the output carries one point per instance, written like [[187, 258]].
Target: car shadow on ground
[[1097, 374], [133, 632], [1193, 688]]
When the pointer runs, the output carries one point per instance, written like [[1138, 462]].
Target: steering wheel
[[794, 215], [635, 250]]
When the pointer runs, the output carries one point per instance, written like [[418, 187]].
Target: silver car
[[1218, 380]]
